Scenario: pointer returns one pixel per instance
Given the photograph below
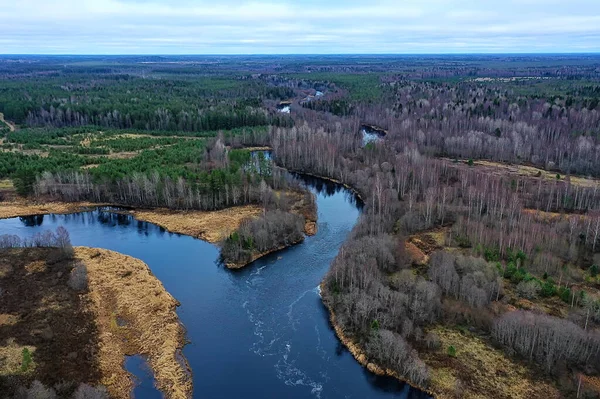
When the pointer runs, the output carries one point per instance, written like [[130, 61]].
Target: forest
[[481, 218]]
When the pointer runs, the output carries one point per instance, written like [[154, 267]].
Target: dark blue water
[[261, 332], [144, 388]]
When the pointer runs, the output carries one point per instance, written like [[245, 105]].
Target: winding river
[[261, 332]]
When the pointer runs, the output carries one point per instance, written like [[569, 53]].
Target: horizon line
[[293, 54]]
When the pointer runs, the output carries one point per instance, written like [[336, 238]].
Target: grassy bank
[[62, 336]]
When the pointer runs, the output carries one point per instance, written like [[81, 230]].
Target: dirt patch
[[90, 166], [480, 370], [429, 241], [415, 255], [212, 226], [74, 337]]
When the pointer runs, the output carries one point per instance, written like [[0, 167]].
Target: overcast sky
[[301, 26]]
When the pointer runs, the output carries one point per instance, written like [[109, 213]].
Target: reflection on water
[[261, 332], [34, 220]]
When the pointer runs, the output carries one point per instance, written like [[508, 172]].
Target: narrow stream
[[261, 332]]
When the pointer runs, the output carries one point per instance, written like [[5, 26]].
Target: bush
[[27, 360], [594, 270], [491, 254], [375, 325], [451, 351], [78, 279], [519, 275], [548, 289], [565, 294], [510, 271]]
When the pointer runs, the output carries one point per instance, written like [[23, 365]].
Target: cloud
[[300, 26]]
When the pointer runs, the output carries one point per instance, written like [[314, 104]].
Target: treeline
[[46, 239], [214, 189]]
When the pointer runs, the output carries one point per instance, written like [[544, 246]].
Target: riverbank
[[360, 355], [211, 226], [477, 367], [21, 207], [331, 179], [84, 336], [135, 315], [254, 257]]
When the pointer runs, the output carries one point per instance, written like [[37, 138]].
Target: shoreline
[[330, 179], [361, 357], [241, 265], [84, 333], [209, 226], [149, 323]]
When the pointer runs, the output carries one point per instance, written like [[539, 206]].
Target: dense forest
[[481, 214]]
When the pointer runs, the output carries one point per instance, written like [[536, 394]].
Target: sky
[[298, 27]]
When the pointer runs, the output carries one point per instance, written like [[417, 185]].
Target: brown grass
[[123, 287], [212, 226], [20, 207], [76, 337], [481, 371]]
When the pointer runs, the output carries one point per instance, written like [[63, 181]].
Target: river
[[260, 332]]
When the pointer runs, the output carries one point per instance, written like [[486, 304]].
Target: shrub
[[451, 351], [510, 271], [78, 279], [565, 294], [594, 270], [375, 325], [491, 254], [470, 162], [548, 289], [27, 360], [519, 275]]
